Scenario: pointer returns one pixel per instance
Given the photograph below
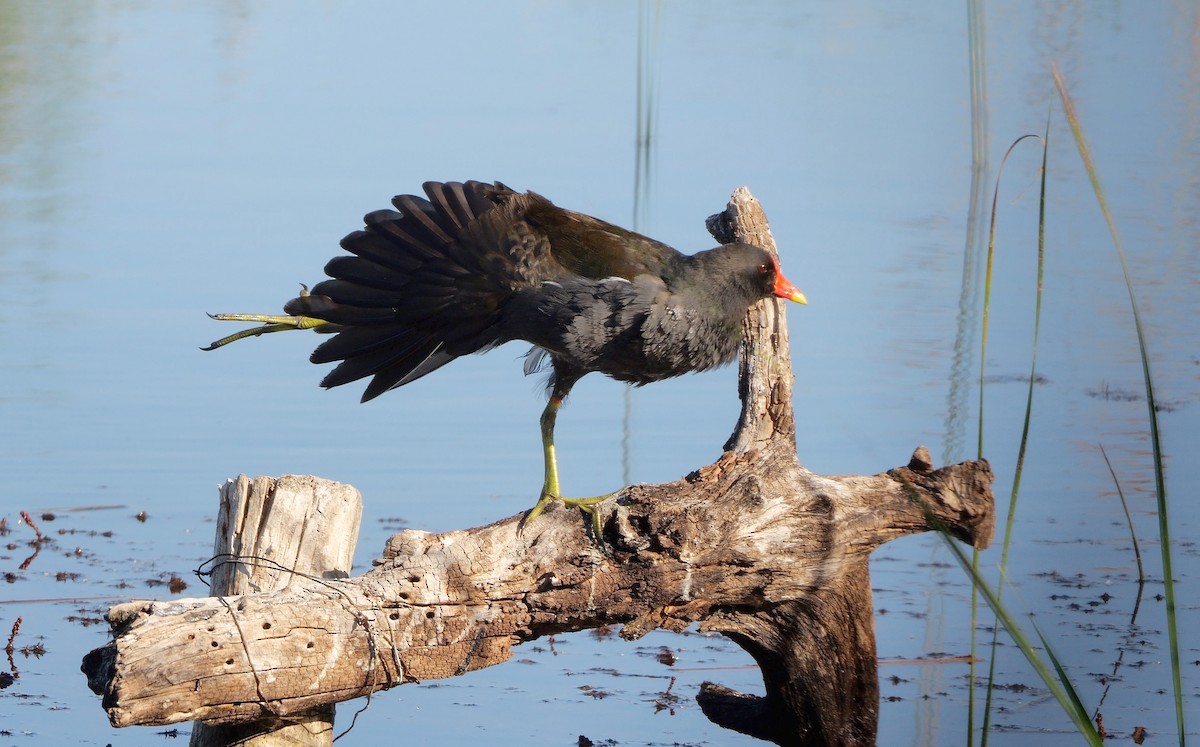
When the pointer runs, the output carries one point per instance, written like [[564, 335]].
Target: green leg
[[550, 486], [270, 323]]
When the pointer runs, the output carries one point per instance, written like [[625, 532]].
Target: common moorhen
[[476, 265]]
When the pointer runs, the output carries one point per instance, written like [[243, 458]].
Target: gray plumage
[[476, 265]]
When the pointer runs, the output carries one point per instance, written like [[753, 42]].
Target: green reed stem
[[1137, 552], [1056, 682], [1164, 526]]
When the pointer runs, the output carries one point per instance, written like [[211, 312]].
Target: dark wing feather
[[423, 284], [592, 248], [377, 245], [452, 201], [388, 366], [354, 341], [324, 307], [433, 279], [428, 226], [366, 272], [406, 371]]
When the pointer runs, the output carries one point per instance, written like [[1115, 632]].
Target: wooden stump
[[268, 531], [754, 546]]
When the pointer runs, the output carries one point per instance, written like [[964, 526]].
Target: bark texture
[[753, 545], [268, 531]]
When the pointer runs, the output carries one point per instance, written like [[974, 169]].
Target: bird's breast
[[633, 331]]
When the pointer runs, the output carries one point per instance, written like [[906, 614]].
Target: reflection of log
[[754, 546]]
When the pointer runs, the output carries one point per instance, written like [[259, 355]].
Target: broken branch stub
[[753, 545]]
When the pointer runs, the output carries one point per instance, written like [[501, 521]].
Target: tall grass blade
[[1058, 685], [958, 408], [956, 412], [1137, 553], [1141, 588], [1076, 704], [1164, 526], [649, 32], [1018, 470], [987, 291]]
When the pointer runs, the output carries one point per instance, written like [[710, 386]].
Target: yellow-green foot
[[268, 323], [586, 505], [550, 485]]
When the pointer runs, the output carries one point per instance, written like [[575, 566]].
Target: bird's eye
[[763, 269]]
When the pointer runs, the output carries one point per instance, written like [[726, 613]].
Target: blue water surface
[[163, 160]]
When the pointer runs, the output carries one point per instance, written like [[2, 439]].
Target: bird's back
[[431, 280]]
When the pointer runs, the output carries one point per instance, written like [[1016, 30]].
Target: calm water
[[161, 160]]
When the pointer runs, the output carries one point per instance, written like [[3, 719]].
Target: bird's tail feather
[[415, 292]]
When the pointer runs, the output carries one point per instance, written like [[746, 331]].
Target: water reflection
[[40, 122], [649, 34], [162, 160]]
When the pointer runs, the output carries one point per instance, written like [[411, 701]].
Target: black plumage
[[474, 265]]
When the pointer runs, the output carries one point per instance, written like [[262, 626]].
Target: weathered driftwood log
[[754, 546], [817, 652]]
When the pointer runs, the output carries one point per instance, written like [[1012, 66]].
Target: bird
[[472, 265]]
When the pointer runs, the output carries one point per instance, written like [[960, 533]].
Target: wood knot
[[921, 461], [720, 226], [713, 471], [408, 543]]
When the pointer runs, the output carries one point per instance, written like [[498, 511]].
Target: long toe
[[545, 500], [588, 505]]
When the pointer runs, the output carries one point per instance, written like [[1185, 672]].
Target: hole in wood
[[266, 626], [429, 614], [414, 579]]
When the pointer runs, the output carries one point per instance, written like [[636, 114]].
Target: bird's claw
[[586, 505], [268, 323]]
